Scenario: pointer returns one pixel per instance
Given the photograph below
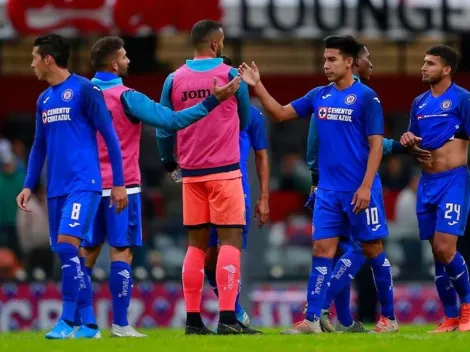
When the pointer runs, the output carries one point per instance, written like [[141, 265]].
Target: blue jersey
[[67, 119], [253, 136], [439, 119], [344, 121]]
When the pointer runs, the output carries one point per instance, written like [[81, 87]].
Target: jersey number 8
[[75, 211]]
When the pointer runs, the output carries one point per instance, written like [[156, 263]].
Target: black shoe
[[229, 329], [196, 330], [249, 331]]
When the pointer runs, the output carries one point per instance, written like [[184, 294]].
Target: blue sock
[[77, 321], [342, 304], [382, 271], [238, 307], [120, 285], [344, 272], [68, 255], [210, 276], [446, 291], [320, 275], [329, 297], [85, 297], [458, 275]]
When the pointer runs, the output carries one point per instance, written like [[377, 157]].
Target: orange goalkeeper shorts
[[214, 202]]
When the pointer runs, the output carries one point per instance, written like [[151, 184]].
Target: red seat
[[390, 200], [284, 203]]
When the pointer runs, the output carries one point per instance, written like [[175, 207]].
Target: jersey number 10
[[372, 215]]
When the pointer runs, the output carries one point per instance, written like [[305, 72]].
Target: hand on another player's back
[[408, 139], [119, 198], [250, 75], [361, 199], [225, 92]]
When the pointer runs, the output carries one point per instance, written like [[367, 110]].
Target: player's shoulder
[[460, 92], [364, 89], [319, 91], [43, 96], [85, 84], [420, 98]]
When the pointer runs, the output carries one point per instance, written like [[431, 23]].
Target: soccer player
[[349, 258], [129, 109], [253, 137], [441, 118], [349, 195], [208, 154], [68, 115]]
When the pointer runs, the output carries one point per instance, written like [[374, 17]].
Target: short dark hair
[[202, 30], [102, 49], [227, 60], [56, 46], [449, 56], [360, 47], [346, 44]]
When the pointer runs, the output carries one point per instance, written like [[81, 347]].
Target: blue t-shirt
[[253, 136], [68, 116], [344, 121], [438, 119]]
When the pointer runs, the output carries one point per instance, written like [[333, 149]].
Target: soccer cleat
[[84, 332], [448, 325], [385, 325], [325, 322], [230, 329], [464, 321], [243, 317], [355, 327], [196, 330], [125, 331], [61, 331], [304, 327], [249, 331]]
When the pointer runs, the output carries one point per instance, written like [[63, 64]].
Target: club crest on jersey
[[446, 104], [44, 117], [67, 95], [323, 113], [350, 99]]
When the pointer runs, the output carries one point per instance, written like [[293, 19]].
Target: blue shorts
[[333, 217], [214, 238], [72, 215], [121, 230], [347, 244], [443, 202]]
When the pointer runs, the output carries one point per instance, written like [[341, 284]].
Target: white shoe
[[125, 331]]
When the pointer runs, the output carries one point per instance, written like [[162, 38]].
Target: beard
[[432, 80], [123, 71]]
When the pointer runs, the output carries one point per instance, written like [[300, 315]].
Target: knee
[[230, 237], [324, 248], [443, 251], [372, 249]]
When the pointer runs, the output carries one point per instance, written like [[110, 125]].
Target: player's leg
[[340, 286], [370, 227], [77, 214], [124, 231], [240, 313], [210, 263], [196, 219], [328, 223], [452, 212], [227, 209]]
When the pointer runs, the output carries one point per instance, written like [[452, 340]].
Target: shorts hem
[[229, 226], [362, 240], [197, 226]]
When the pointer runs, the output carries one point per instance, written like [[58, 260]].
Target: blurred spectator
[[11, 183], [33, 233], [295, 175], [406, 222], [395, 175]]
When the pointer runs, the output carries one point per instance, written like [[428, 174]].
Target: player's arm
[[276, 111], [166, 138], [257, 134], [391, 146], [374, 120], [312, 160], [36, 160], [95, 108], [243, 101]]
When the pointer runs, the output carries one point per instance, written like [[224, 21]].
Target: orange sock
[[228, 277], [193, 278]]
